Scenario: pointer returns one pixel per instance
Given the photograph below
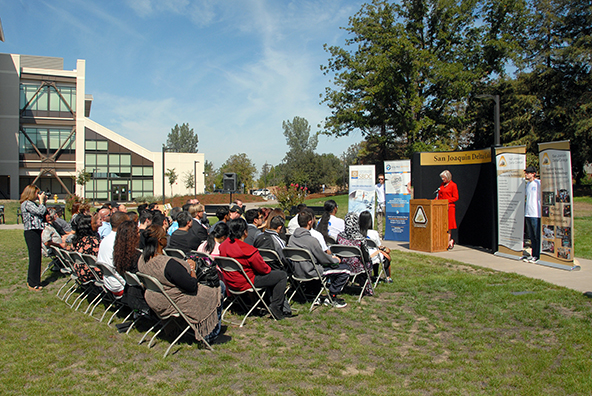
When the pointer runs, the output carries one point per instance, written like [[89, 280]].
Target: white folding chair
[[381, 269], [153, 284], [229, 265], [107, 295], [298, 256], [350, 252]]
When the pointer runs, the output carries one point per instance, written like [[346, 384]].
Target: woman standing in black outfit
[[33, 223]]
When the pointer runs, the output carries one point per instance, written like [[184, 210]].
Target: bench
[[2, 214]]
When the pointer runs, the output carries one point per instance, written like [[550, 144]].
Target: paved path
[[577, 280]]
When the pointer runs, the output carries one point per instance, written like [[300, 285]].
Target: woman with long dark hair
[[211, 245], [33, 216], [329, 224], [85, 241], [200, 303], [256, 269], [125, 249], [380, 253]]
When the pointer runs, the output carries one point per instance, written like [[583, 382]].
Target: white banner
[[510, 163], [361, 188], [398, 194], [557, 212]]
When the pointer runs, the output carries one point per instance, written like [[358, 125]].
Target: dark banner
[[473, 172]]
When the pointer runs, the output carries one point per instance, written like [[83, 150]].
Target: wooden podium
[[428, 228]]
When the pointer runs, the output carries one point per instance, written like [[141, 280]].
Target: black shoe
[[277, 313]]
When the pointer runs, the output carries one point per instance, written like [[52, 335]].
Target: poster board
[[361, 188], [398, 195]]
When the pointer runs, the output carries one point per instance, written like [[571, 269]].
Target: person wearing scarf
[[351, 236]]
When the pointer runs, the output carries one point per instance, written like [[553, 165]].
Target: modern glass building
[[48, 139]]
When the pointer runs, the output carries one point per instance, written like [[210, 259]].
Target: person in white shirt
[[380, 204], [293, 223], [380, 252], [532, 213], [116, 283]]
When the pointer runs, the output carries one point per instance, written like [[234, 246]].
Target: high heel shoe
[[450, 247]]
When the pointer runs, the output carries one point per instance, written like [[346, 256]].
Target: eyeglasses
[[380, 178]]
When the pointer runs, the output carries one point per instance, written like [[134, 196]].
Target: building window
[[47, 140], [47, 99]]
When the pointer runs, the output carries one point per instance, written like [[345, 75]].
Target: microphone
[[437, 191]]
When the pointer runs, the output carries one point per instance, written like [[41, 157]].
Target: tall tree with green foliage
[[405, 74], [210, 175], [181, 139]]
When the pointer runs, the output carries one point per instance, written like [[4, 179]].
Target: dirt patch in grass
[[582, 209]]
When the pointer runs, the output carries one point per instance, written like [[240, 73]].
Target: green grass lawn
[[441, 328]]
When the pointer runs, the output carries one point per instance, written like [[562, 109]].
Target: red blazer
[[450, 192]]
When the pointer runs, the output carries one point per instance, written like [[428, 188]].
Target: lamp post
[[496, 98], [163, 151], [195, 181]]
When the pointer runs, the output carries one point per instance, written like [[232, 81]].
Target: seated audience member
[[159, 219], [265, 212], [234, 212], [85, 241], [199, 302], [381, 253], [198, 231], [211, 245], [240, 205], [293, 223], [82, 209], [145, 219], [253, 219], [329, 224], [50, 237], [277, 212], [96, 223], [61, 225], [223, 215], [317, 235], [352, 236], [326, 264], [182, 238], [105, 229], [133, 216], [270, 239], [256, 269], [75, 210], [174, 225], [115, 283]]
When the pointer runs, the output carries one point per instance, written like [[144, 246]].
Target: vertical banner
[[398, 194], [361, 188], [557, 214], [510, 163]]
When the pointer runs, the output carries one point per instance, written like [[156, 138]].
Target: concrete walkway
[[577, 280]]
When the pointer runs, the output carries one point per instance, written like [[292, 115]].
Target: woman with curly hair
[[276, 212], [85, 241], [125, 249]]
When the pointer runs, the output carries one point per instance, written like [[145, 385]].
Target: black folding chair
[[350, 252]]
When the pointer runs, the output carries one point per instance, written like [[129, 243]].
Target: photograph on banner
[[556, 211], [361, 188], [511, 188], [398, 195]]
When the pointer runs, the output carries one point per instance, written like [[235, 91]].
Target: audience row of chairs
[[89, 288]]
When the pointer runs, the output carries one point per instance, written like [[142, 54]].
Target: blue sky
[[232, 69]]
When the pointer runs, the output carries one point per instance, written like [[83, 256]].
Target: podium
[[428, 228]]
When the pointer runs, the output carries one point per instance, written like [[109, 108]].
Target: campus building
[[48, 139]]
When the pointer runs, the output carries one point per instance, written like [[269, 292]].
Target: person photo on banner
[[380, 205], [448, 190], [532, 213]]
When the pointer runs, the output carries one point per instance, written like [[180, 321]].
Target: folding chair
[[329, 240], [88, 286], [228, 264], [200, 254], [297, 255], [348, 252], [107, 295], [381, 269], [68, 269], [270, 256], [174, 253], [132, 280], [153, 284]]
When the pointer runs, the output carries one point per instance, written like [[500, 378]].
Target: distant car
[[262, 192]]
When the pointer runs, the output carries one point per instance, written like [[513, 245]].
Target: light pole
[[195, 175], [496, 98], [163, 151]]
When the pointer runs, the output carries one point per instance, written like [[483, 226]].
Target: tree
[[210, 175], [82, 178], [298, 138], [172, 176], [406, 74], [181, 139], [189, 180], [244, 168]]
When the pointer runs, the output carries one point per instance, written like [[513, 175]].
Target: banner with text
[[398, 194], [557, 214], [510, 163], [361, 188]]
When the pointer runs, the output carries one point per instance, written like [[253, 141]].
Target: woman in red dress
[[449, 191]]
